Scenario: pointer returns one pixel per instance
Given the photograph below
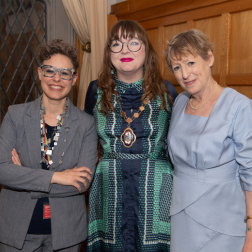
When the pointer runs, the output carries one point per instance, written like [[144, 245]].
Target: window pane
[[22, 30]]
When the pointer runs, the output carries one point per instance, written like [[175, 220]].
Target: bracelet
[[249, 229], [247, 217]]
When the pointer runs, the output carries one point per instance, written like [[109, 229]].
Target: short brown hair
[[192, 42], [58, 46]]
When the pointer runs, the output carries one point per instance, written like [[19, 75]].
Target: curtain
[[89, 20]]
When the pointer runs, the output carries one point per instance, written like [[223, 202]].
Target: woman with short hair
[[210, 145], [42, 202]]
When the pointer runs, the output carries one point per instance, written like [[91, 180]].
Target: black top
[[91, 96], [38, 224]]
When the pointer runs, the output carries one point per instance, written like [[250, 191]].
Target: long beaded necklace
[[128, 136], [46, 148]]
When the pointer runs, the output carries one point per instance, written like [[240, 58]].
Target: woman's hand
[[72, 177], [15, 158], [248, 242]]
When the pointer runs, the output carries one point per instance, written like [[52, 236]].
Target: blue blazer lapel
[[67, 134], [32, 132]]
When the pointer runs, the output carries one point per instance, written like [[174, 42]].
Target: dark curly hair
[[58, 46], [153, 83]]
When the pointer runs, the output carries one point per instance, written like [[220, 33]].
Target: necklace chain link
[[128, 137], [135, 115]]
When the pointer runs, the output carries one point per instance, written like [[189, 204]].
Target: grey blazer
[[23, 185]]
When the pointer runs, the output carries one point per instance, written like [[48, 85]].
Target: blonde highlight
[[192, 42]]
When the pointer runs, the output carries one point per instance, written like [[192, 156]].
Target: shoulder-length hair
[[153, 83]]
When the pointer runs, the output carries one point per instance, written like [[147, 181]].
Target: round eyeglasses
[[134, 45], [64, 73]]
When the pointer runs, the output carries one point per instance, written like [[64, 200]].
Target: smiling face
[[192, 72], [55, 88], [128, 64]]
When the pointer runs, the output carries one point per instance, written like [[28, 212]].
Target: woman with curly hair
[[48, 158], [130, 196]]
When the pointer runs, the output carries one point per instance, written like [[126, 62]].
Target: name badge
[[46, 211]]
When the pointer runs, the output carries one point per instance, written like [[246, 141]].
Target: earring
[[112, 71]]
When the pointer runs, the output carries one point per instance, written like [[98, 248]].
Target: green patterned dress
[[131, 192]]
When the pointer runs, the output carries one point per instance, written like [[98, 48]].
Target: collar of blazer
[[33, 136]]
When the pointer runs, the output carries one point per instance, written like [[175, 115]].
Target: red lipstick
[[126, 59]]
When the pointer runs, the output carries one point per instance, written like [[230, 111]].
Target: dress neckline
[[122, 86], [215, 105]]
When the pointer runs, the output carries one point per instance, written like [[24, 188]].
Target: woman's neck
[[205, 93], [53, 108], [128, 77]]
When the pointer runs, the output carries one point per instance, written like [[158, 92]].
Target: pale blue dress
[[212, 159]]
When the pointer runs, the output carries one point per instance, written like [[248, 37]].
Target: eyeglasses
[[134, 45], [64, 73]]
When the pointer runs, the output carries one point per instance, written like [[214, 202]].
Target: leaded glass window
[[23, 29]]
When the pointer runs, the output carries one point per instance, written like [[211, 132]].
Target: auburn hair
[[153, 83]]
